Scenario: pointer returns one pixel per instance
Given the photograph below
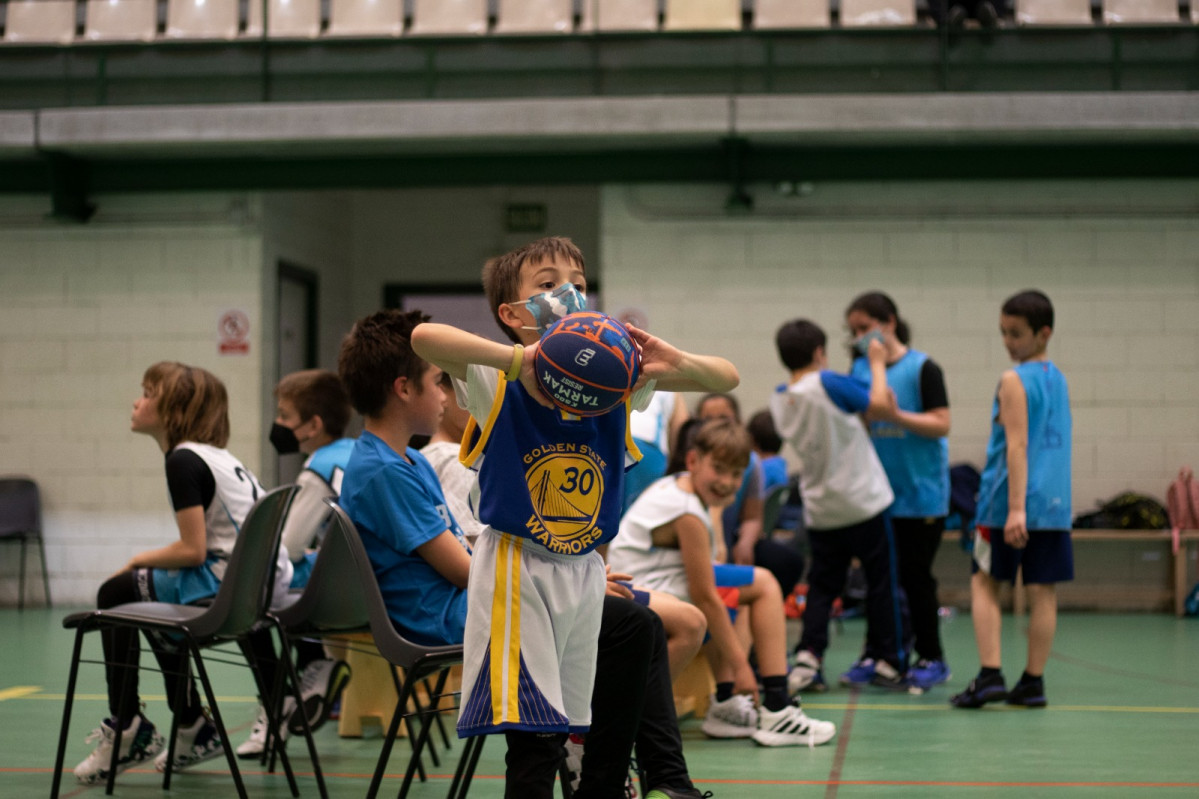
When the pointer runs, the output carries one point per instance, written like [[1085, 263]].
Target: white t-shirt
[[653, 424], [633, 551], [457, 481]]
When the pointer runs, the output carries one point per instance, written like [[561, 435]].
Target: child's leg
[[684, 625], [984, 610], [532, 764], [826, 579], [874, 546], [916, 543], [121, 647], [1042, 625], [764, 600]]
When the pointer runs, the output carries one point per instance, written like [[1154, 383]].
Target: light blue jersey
[[1047, 502]]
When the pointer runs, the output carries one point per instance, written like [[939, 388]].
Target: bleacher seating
[[366, 18], [535, 16], [40, 21], [449, 17], [1141, 12], [202, 19], [864, 13], [791, 14], [690, 15], [121, 20], [619, 15], [288, 19]]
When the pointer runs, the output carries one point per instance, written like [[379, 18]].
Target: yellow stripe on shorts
[[505, 632]]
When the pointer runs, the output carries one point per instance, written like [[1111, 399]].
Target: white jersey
[[653, 423], [237, 489], [457, 481], [633, 551]]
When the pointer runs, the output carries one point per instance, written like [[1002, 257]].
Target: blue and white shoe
[[860, 673], [139, 743], [927, 673], [193, 745]]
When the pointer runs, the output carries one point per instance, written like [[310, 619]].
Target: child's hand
[[616, 583], [876, 352], [528, 376], [745, 681], [658, 358], [1015, 530]]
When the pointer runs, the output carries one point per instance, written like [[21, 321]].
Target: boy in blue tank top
[[536, 582], [1024, 512]]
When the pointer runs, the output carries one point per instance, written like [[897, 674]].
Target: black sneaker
[[1028, 693], [677, 793], [887, 676], [980, 691]]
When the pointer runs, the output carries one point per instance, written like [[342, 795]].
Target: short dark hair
[[375, 353], [761, 430], [724, 397], [725, 440], [317, 392], [797, 342], [1033, 305], [501, 275]]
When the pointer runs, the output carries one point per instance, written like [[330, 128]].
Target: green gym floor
[[1123, 721]]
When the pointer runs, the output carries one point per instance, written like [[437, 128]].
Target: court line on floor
[[1005, 709], [19, 692], [834, 774]]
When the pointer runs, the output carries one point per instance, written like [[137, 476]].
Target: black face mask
[[284, 439]]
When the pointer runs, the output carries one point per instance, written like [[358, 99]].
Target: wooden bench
[[1181, 559]]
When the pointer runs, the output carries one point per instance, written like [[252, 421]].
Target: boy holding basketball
[[550, 487]]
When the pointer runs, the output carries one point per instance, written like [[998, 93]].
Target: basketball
[[587, 363]]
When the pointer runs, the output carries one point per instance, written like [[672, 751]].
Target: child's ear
[[691, 460], [510, 316], [399, 387]]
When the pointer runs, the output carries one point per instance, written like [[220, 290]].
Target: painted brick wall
[[1119, 260], [83, 311]]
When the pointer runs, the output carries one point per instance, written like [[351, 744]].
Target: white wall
[[1120, 260], [84, 309]]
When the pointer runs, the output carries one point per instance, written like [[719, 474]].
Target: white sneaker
[[320, 683], [805, 675], [139, 743], [791, 727], [252, 747], [574, 759], [195, 744], [735, 717]]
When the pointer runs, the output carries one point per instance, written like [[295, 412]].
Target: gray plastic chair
[[21, 520], [240, 604]]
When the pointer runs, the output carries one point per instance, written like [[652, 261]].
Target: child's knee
[[766, 585]]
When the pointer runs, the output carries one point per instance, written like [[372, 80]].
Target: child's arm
[[882, 398], [447, 556], [932, 423], [1013, 415], [190, 550], [695, 549], [453, 350], [676, 370]]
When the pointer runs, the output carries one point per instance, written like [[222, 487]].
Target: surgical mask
[[862, 342], [551, 306], [284, 440]]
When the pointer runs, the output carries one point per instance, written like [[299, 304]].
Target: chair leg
[[272, 706], [466, 767], [181, 691], [21, 582], [66, 715], [285, 648], [445, 738], [41, 543], [393, 730], [122, 721], [418, 746], [230, 755]]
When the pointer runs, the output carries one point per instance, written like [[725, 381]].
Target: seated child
[[667, 542]]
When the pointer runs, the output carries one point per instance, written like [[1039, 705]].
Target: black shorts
[[1047, 558]]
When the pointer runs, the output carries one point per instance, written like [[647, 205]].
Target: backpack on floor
[[1182, 503], [1127, 511]]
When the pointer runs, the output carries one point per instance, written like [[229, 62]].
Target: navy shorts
[[1048, 557]]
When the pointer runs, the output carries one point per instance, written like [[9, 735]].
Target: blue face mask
[[551, 306], [862, 342]]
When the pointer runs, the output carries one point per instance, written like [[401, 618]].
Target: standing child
[[910, 439], [185, 410], [311, 415], [1023, 504], [845, 494], [667, 543], [536, 582]]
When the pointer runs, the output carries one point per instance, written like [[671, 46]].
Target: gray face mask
[[862, 342], [551, 306]]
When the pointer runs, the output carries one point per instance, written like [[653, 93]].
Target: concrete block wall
[[84, 309], [1120, 261]]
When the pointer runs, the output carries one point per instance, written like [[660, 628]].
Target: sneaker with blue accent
[[139, 742], [980, 691], [805, 674], [927, 673], [195, 744], [1028, 693], [860, 673]]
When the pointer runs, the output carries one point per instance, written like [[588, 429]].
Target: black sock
[[1026, 677], [724, 690], [774, 693], [986, 673]]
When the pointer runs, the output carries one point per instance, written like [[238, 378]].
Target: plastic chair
[[240, 604], [288, 19], [864, 13], [1140, 12], [772, 508], [619, 15], [21, 520], [343, 596], [1053, 12], [40, 21], [202, 19], [707, 15], [449, 18], [773, 14], [365, 18], [121, 20]]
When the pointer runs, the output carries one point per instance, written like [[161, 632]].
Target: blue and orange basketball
[[587, 363]]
